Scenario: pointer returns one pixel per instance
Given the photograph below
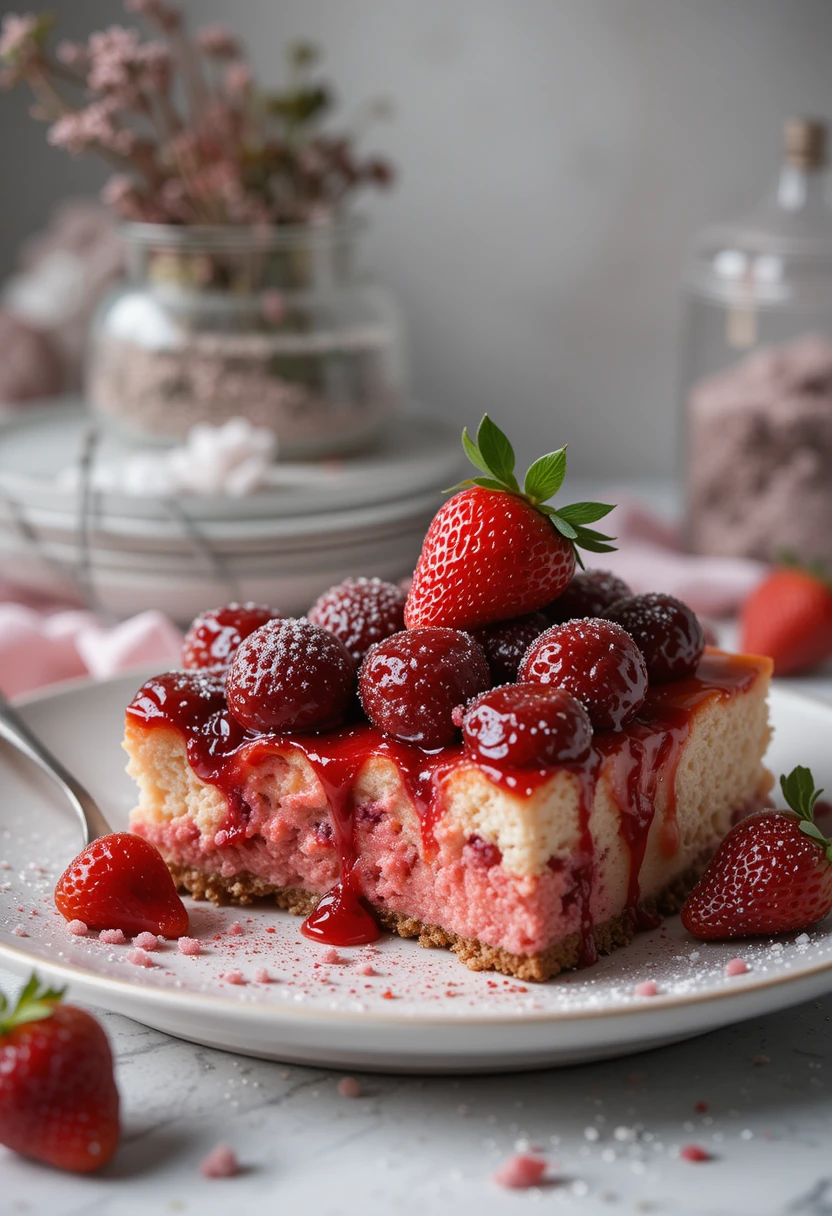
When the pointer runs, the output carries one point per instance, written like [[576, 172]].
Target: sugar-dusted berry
[[360, 611], [213, 637], [666, 632], [411, 683], [506, 642], [590, 593], [527, 726], [290, 675], [595, 660]]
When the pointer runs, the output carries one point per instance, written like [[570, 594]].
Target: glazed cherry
[[590, 593], [214, 636], [185, 697], [595, 660], [360, 611], [527, 726], [290, 675], [411, 683], [666, 632], [506, 642]]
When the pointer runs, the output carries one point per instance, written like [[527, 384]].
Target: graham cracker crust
[[478, 956]]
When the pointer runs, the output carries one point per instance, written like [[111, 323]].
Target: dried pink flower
[[167, 16], [18, 36], [217, 40], [73, 54], [238, 78], [94, 125]]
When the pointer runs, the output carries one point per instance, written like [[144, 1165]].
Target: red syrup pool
[[220, 750]]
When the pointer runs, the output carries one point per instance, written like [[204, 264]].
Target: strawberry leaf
[[473, 453], [563, 526], [800, 793], [585, 512], [545, 476], [33, 1005], [497, 452]]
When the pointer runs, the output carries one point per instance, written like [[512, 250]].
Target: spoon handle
[[15, 731]]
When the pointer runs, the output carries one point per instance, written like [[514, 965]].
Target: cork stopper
[[804, 142]]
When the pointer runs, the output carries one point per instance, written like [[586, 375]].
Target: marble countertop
[[612, 1131]]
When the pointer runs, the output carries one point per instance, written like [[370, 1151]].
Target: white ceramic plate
[[393, 1007]]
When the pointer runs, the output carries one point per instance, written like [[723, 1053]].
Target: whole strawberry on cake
[[516, 760]]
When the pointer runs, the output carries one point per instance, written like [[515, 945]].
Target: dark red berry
[[666, 632], [214, 636], [411, 683], [597, 662], [360, 611], [590, 593], [290, 675], [527, 726], [506, 642]]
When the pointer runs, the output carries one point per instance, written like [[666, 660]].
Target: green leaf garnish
[[800, 794], [35, 1003], [493, 456]]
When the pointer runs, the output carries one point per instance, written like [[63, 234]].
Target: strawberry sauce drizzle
[[220, 751]]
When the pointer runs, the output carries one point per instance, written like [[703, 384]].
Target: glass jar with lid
[[757, 369]]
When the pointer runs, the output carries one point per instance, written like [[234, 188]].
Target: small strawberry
[[120, 881], [771, 874], [494, 551], [789, 617], [58, 1096]]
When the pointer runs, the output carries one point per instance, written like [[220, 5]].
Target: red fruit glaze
[[290, 675], [590, 593], [597, 662], [767, 876], [666, 632], [527, 726], [214, 636], [411, 683], [506, 642], [488, 556], [120, 881], [58, 1098], [360, 611], [789, 617]]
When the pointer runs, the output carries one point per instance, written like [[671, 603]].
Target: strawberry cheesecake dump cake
[[520, 762]]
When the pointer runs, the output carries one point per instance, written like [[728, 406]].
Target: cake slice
[[526, 871]]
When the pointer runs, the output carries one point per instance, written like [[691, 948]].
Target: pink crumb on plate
[[520, 1171], [112, 937], [694, 1152], [139, 958], [19, 931], [221, 1162], [367, 969], [233, 977], [261, 976], [146, 941], [189, 945], [348, 1087], [331, 956], [77, 928], [736, 966], [647, 988], [236, 928]]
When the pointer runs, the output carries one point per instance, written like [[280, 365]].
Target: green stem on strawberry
[[35, 1003], [800, 794], [494, 456]]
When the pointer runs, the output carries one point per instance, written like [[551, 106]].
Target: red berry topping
[[666, 632], [290, 675], [360, 611], [411, 683], [214, 636], [771, 874], [597, 662], [496, 551], [120, 881], [590, 593], [527, 726], [58, 1097], [506, 642]]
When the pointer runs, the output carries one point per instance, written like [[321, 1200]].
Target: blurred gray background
[[555, 158]]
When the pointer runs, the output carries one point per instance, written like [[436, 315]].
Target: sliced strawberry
[[789, 617], [495, 551], [58, 1097], [771, 874], [120, 881]]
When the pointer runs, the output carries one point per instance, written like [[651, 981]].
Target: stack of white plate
[[314, 525]]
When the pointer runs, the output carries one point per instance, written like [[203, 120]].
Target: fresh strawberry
[[771, 874], [58, 1096], [789, 617], [494, 551], [120, 881]]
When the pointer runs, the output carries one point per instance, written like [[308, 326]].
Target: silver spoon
[[15, 731]]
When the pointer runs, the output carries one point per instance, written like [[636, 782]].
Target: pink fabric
[[42, 643], [649, 557]]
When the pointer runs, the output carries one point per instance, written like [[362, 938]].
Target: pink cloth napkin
[[41, 644], [649, 557]]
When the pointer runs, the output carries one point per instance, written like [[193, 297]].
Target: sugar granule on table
[[190, 946], [146, 941], [139, 958], [221, 1162], [77, 928], [736, 966], [112, 937], [521, 1171], [348, 1087], [647, 988]]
